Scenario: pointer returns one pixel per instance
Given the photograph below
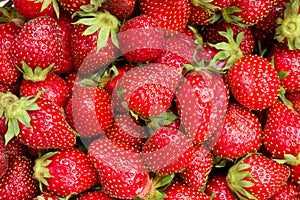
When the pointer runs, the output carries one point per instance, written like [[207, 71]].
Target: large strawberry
[[8, 72], [257, 177], [241, 133], [65, 172], [18, 181], [141, 39], [281, 133], [170, 15], [167, 151], [38, 122]]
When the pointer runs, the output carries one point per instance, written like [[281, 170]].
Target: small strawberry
[[281, 133], [178, 191], [18, 181], [3, 158], [170, 15], [257, 177], [141, 39], [120, 169], [167, 151], [195, 175], [65, 172], [9, 74], [288, 191], [42, 79], [94, 195], [121, 9], [241, 133], [218, 188]]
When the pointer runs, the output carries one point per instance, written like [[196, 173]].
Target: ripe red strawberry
[[3, 158], [15, 148], [121, 9], [288, 191], [247, 12], [37, 122], [281, 133], [149, 90], [167, 151], [178, 191], [46, 196], [94, 103], [18, 181], [241, 133], [211, 35], [253, 82], [65, 172], [257, 177], [73, 5], [35, 81], [170, 15], [38, 44], [202, 16], [33, 9], [141, 39], [120, 169], [13, 88], [99, 195], [218, 187], [201, 100], [126, 129], [195, 175], [70, 80], [286, 60], [8, 72], [294, 98]]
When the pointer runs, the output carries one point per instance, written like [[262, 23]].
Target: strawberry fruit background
[[150, 99]]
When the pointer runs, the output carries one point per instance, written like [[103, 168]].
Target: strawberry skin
[[70, 171], [18, 182], [287, 192], [257, 177], [120, 169], [170, 15], [141, 39], [3, 158], [73, 5], [253, 82], [282, 131], [241, 133], [32, 9], [120, 8], [94, 195], [9, 74]]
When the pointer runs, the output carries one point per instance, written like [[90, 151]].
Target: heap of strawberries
[[150, 99]]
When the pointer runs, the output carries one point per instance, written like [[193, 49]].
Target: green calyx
[[237, 183], [105, 23], [46, 3], [289, 159], [154, 123], [36, 75], [228, 16], [206, 4], [41, 172], [289, 27], [15, 111]]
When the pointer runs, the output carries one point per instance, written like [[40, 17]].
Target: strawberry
[[15, 148], [286, 60], [38, 44], [294, 98], [73, 5], [94, 195], [253, 82], [196, 173], [39, 79], [170, 15], [37, 122], [288, 26], [167, 151], [8, 72], [47, 196], [148, 91], [217, 186], [247, 12], [13, 88], [70, 79], [120, 169], [35, 8], [257, 177], [18, 181], [121, 9], [202, 16], [287, 192], [201, 101], [3, 158], [178, 191], [65, 172], [126, 129], [281, 135], [141, 39], [94, 103], [3, 126], [210, 35], [241, 133]]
